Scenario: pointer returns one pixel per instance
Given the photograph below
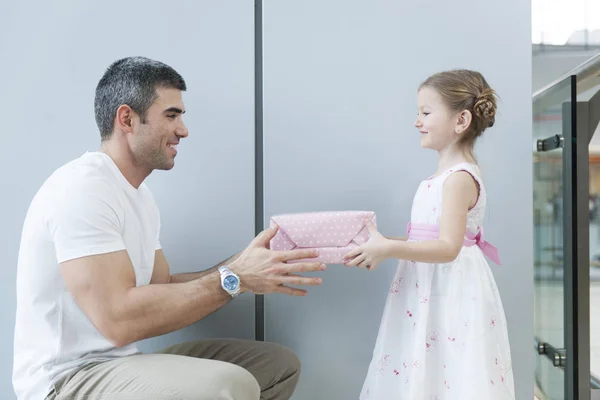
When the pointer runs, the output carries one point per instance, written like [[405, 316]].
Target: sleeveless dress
[[443, 333]]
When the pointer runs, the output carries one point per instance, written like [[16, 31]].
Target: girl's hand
[[370, 254]]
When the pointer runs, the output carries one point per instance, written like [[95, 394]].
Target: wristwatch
[[230, 282]]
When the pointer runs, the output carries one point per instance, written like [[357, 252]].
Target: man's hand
[[263, 271]]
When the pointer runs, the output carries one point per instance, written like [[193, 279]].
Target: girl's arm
[[460, 193], [401, 238]]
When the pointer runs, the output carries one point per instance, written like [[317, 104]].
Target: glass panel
[[549, 127], [595, 261], [594, 164]]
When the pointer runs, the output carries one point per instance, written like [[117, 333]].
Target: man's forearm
[[154, 310], [190, 276]]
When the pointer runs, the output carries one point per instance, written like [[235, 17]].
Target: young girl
[[443, 334]]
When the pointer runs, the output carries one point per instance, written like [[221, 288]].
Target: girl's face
[[435, 121]]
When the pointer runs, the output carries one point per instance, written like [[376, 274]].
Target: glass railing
[[566, 204]]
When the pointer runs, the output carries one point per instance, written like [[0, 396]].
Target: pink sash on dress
[[425, 232]]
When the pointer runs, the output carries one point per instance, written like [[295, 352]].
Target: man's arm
[[104, 287], [160, 264], [85, 226]]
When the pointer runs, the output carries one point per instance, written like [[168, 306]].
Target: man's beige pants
[[222, 369]]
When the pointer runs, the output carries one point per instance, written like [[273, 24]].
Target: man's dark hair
[[132, 81]]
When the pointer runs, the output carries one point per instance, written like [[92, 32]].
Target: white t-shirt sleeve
[[86, 221]]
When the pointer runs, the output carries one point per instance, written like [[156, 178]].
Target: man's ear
[[463, 122], [125, 118]]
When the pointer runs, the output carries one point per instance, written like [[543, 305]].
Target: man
[[92, 278]]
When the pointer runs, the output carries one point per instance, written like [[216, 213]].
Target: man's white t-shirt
[[84, 208]]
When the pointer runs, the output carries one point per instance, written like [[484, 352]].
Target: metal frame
[[576, 245], [259, 301], [580, 120]]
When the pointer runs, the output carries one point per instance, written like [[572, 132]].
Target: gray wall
[[340, 80], [54, 53], [340, 100]]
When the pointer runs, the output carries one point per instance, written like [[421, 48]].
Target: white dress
[[443, 333]]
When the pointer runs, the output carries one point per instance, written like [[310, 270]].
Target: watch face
[[230, 282]]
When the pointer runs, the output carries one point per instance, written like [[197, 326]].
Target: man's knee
[[284, 368], [288, 360], [236, 383], [222, 381]]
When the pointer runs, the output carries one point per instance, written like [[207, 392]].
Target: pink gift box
[[332, 233]]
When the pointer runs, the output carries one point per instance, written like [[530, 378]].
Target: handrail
[[588, 76], [585, 71]]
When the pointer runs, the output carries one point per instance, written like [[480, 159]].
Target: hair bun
[[485, 107]]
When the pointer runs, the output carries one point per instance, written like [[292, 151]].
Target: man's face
[[154, 143]]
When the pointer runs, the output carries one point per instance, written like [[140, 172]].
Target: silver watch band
[[224, 272]]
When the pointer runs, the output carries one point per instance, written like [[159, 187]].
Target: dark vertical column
[[259, 308]]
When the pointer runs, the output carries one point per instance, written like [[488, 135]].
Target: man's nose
[[182, 131]]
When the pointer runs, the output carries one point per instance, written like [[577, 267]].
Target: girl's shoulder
[[472, 169]]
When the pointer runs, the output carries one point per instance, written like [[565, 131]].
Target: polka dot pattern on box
[[332, 233]]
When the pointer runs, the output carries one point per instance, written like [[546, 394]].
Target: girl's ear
[[463, 121]]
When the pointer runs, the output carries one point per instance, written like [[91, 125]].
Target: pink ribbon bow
[[425, 232]]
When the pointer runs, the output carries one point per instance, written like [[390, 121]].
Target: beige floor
[[549, 328]]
